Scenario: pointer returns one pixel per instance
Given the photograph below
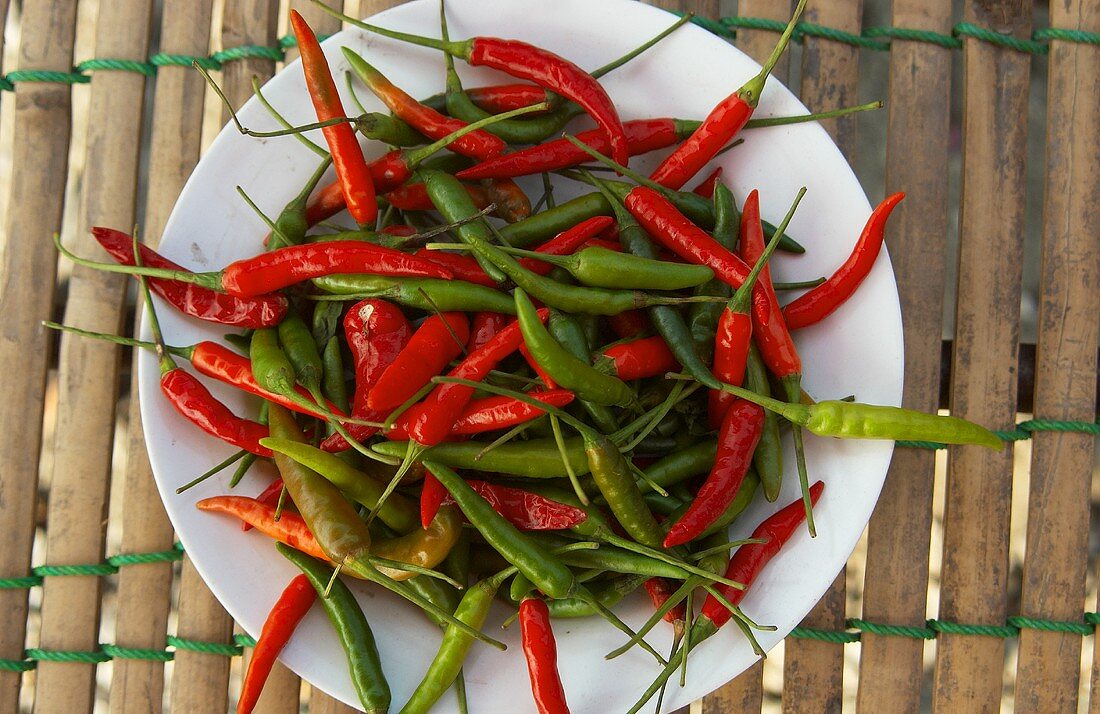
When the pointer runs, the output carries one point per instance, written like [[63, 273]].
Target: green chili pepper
[[703, 317], [541, 227], [397, 511], [547, 573], [853, 420], [768, 457], [615, 480], [567, 330], [330, 517], [565, 369], [296, 340], [333, 385], [603, 268], [681, 465], [388, 129], [668, 321], [426, 294], [326, 321], [536, 459], [520, 588], [291, 225], [608, 594], [472, 610], [351, 626], [614, 559]]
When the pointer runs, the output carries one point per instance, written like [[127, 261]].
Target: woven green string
[[871, 38]]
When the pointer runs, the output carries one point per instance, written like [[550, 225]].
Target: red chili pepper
[[541, 652], [463, 267], [629, 324], [269, 497], [326, 203], [195, 402], [347, 156], [479, 144], [534, 64], [290, 528], [438, 340], [722, 123], [277, 269], [751, 558], [288, 611], [484, 326], [673, 230], [528, 511], [737, 439], [643, 357], [432, 495], [195, 300], [706, 188], [659, 592], [820, 302], [493, 413], [445, 403], [414, 197], [642, 136], [506, 97], [376, 331]]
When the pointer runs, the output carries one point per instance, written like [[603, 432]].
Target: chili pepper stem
[[184, 352], [166, 363], [282, 120], [332, 579], [673, 600], [792, 385], [642, 48], [792, 412], [458, 49], [566, 417], [213, 470], [419, 155], [640, 549], [504, 438], [412, 455], [751, 90], [763, 122]]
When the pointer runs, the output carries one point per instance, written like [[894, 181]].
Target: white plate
[[858, 350]]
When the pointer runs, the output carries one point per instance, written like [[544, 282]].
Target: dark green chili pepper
[[326, 321], [398, 512], [768, 457], [472, 610], [615, 480], [608, 593], [291, 225], [332, 520], [569, 333], [681, 465], [351, 626], [703, 317], [536, 459], [543, 226], [547, 573], [667, 320], [565, 369], [421, 293]]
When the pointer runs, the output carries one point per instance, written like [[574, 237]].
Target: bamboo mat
[[974, 587]]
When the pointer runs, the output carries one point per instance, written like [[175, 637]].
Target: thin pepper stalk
[[723, 122], [291, 224], [347, 155]]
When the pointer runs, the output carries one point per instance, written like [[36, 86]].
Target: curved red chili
[[541, 652], [642, 136], [820, 302], [659, 592], [347, 155], [414, 197], [706, 188], [438, 340], [195, 402], [195, 300], [737, 439], [751, 558], [445, 403], [483, 326], [292, 605]]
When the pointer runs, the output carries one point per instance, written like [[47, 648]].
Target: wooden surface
[[132, 167]]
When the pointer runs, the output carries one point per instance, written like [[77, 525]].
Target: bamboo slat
[[1048, 669], [88, 371], [896, 578], [27, 272], [144, 591], [969, 669], [247, 22], [813, 670]]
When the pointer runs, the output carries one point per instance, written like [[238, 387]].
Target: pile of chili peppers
[[598, 388]]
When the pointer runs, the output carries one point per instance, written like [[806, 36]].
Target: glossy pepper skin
[[195, 300], [525, 510], [445, 403], [347, 156], [494, 413], [290, 528], [640, 358], [194, 401], [820, 302], [293, 604], [376, 331], [541, 652], [737, 439], [437, 341]]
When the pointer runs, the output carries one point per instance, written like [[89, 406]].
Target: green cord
[[870, 38]]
